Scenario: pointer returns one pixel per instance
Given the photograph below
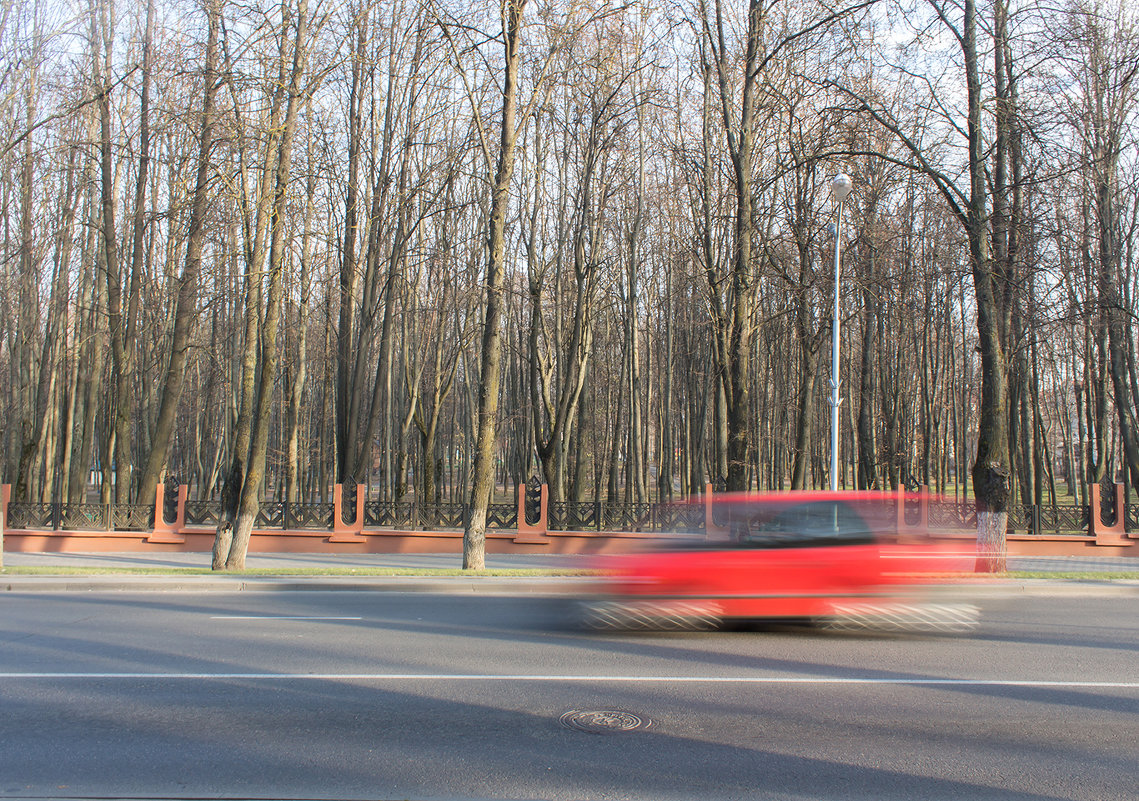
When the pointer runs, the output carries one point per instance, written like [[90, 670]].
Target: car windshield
[[810, 524]]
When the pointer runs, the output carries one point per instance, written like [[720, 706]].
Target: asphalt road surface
[[370, 695]]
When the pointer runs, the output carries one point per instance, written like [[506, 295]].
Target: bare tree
[[186, 305], [249, 499], [490, 370], [1104, 74]]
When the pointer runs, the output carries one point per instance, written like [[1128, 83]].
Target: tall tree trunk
[[867, 426], [346, 407], [250, 501], [27, 320], [296, 386], [186, 304], [804, 417], [121, 428], [254, 252], [490, 369], [92, 357], [127, 392], [991, 473], [665, 419], [736, 366]]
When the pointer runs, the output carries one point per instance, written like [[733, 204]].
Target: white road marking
[[465, 677], [283, 617]]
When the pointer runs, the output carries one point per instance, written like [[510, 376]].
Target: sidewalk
[[434, 561], [489, 585], [287, 561], [235, 582]]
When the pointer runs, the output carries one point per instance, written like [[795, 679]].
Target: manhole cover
[[605, 721]]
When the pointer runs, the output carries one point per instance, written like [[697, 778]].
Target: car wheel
[[917, 617], [649, 616]]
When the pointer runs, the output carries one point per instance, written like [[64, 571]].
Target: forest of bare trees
[[435, 248]]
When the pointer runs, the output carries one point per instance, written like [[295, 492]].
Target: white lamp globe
[[841, 186]]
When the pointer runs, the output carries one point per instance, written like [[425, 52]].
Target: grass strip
[[1124, 575]]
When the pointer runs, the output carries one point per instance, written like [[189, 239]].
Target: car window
[[811, 524]]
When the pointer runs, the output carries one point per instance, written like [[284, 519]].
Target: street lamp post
[[840, 189]]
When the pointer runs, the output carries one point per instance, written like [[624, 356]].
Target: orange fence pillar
[[163, 531], [1103, 533], [923, 510], [711, 530], [347, 532], [533, 531]]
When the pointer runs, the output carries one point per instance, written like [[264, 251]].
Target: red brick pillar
[[347, 532], [537, 532], [163, 531], [711, 529], [1103, 533], [922, 526]]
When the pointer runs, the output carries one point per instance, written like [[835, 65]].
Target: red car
[[833, 558]]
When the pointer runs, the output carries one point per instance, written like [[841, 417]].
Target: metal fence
[[562, 516], [602, 516], [81, 516], [435, 516]]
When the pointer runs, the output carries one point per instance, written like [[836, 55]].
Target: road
[[371, 695]]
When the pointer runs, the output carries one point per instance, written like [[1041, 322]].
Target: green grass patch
[[337, 572], [1074, 575]]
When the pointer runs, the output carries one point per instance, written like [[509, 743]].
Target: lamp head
[[841, 186]]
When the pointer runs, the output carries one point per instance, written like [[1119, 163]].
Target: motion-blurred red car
[[834, 558]]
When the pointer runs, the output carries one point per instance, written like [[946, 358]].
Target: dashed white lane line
[[472, 677]]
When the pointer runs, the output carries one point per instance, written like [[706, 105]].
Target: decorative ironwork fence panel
[[679, 517], [1131, 513], [132, 517], [911, 511], [308, 515], [626, 516], [1064, 519], [502, 515], [533, 500], [1020, 519], [389, 513], [441, 515], [574, 515], [952, 515], [85, 516], [1107, 492], [203, 513], [270, 514], [30, 515], [890, 507], [348, 492], [170, 500], [720, 514]]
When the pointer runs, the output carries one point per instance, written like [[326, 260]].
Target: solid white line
[[1048, 683], [282, 617]]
